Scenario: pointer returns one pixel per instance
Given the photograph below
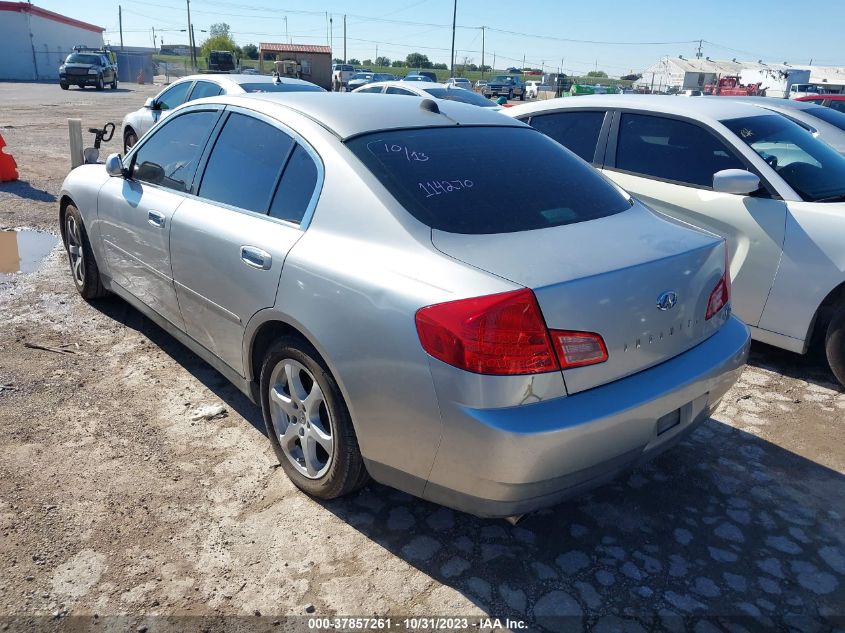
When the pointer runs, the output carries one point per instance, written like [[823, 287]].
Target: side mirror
[[114, 165], [737, 181], [150, 103]]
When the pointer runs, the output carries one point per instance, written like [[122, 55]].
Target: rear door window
[[245, 164], [296, 188], [451, 180], [205, 89], [393, 90], [576, 131], [670, 149]]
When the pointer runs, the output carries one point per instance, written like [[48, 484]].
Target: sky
[[617, 36]]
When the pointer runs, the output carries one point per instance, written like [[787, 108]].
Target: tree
[[367, 62], [353, 61], [250, 51], [337, 60], [485, 68], [417, 60], [597, 73], [398, 63], [438, 66], [381, 60], [218, 43], [220, 28]]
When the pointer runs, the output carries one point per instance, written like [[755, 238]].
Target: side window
[[295, 188], [371, 89], [393, 90], [576, 131], [173, 96], [837, 104], [245, 163], [672, 150], [169, 158], [205, 89]]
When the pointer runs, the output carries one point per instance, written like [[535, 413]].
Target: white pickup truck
[[341, 74]]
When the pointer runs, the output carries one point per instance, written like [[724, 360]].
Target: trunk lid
[[606, 276]]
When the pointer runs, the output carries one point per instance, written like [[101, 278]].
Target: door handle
[[256, 257], [156, 219]]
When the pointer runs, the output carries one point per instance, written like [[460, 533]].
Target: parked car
[[342, 73], [802, 90], [400, 310], [834, 102], [533, 88], [459, 82], [429, 89], [480, 84], [772, 189], [362, 79], [88, 67], [826, 123], [417, 77], [137, 123], [509, 86]]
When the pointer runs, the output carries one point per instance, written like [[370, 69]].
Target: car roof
[[711, 108], [223, 79], [405, 85], [350, 114]]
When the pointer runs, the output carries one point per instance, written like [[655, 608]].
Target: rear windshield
[[76, 58], [478, 180], [829, 115], [459, 94], [269, 86]]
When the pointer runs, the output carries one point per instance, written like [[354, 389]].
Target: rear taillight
[[501, 334], [721, 294], [576, 349]]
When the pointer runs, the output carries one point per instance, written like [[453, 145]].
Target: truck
[[509, 86], [732, 86], [774, 82], [221, 62]]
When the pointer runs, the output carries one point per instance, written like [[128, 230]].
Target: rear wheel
[[129, 139], [114, 82], [64, 86], [83, 266], [308, 422], [834, 344]]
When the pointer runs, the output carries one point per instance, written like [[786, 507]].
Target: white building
[[680, 73], [34, 41]]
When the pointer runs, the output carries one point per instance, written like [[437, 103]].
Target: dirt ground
[[120, 512]]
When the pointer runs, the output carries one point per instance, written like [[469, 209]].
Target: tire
[[100, 84], [129, 140], [114, 82], [292, 368], [64, 86], [510, 95], [83, 266], [522, 96], [834, 344]]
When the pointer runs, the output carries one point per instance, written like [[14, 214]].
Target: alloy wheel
[[301, 419], [74, 250]]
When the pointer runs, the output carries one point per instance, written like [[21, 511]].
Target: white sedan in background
[[429, 89], [771, 188], [459, 82], [137, 123]]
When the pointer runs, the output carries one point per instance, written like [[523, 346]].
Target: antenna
[[429, 105]]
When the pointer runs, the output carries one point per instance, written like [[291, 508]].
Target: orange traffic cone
[[8, 166]]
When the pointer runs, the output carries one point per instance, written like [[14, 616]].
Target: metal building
[[34, 42]]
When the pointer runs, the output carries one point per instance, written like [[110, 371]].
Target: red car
[[837, 102]]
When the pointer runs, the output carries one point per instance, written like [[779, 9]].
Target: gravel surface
[[122, 503]]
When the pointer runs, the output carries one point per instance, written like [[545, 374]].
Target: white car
[[771, 188], [137, 123], [533, 88], [429, 89], [459, 82]]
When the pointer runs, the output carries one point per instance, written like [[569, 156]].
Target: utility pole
[[120, 20], [698, 54], [194, 47], [454, 17], [191, 35], [344, 38], [483, 28], [376, 57], [494, 63], [154, 39], [331, 34], [287, 35]]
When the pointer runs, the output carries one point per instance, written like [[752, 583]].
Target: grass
[[182, 61]]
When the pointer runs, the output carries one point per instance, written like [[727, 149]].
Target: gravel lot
[[116, 507]]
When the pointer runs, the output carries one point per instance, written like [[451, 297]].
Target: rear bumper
[[508, 461]]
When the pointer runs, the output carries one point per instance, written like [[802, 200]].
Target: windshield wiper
[[837, 198]]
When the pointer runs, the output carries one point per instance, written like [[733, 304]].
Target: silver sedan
[[359, 267]]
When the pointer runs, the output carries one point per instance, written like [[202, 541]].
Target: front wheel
[[114, 83], [129, 140], [100, 83], [64, 86], [83, 266], [834, 344], [307, 421]]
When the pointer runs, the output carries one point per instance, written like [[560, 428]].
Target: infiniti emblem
[[667, 300]]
